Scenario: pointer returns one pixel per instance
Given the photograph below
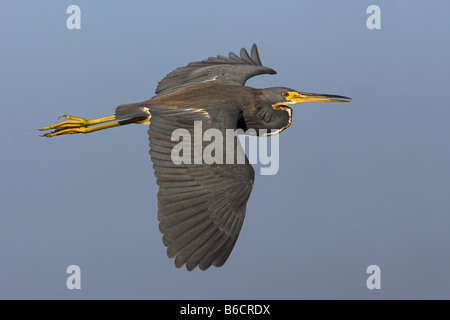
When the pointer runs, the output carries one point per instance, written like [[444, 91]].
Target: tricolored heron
[[201, 207]]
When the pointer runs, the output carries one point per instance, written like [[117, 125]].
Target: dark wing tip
[[246, 57], [253, 58], [255, 54], [257, 60]]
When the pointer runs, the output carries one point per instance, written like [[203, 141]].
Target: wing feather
[[232, 69], [201, 208]]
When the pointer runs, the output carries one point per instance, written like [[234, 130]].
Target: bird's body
[[230, 100], [197, 96], [201, 205]]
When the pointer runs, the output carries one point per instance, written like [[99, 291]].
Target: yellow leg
[[79, 125]]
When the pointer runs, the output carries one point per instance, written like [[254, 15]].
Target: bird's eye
[[286, 94]]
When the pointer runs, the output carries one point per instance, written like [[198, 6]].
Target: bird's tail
[[132, 111]]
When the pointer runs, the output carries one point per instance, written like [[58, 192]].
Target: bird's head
[[278, 99], [286, 96]]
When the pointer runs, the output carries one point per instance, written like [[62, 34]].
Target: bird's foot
[[77, 125]]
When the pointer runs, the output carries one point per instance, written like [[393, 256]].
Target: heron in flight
[[201, 207]]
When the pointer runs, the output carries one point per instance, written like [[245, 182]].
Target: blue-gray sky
[[359, 184]]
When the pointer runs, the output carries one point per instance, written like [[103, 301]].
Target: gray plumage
[[201, 208], [232, 69], [201, 204]]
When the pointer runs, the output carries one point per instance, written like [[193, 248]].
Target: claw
[[76, 119], [58, 132], [71, 122], [78, 125]]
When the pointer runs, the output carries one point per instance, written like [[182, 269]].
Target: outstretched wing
[[201, 207], [232, 69]]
